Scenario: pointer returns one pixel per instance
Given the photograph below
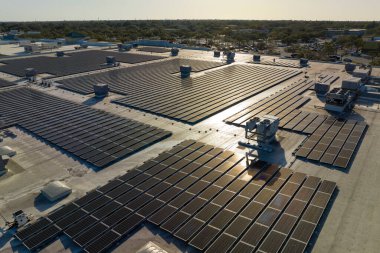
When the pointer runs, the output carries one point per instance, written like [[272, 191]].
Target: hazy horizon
[[80, 10]]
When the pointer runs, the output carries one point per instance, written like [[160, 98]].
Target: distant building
[[33, 32], [356, 32], [263, 31], [332, 33], [371, 47], [74, 38]]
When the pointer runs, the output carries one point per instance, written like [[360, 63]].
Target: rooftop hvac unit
[[321, 88], [340, 100], [30, 72], [304, 62], [185, 71], [124, 47], [353, 83], [60, 54], [350, 67], [230, 57], [174, 51], [256, 58], [363, 74], [216, 53], [111, 60], [101, 90]]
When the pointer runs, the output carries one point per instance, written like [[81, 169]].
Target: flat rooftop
[[349, 223]]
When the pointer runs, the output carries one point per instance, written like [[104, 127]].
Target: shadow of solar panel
[[61, 122]]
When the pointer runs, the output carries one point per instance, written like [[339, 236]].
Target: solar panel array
[[334, 142], [154, 49], [4, 84], [281, 104], [72, 63], [131, 79], [203, 196], [154, 88], [280, 63], [95, 136]]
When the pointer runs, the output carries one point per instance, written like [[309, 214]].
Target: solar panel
[[88, 131], [188, 100], [72, 63], [333, 143], [282, 104], [264, 212]]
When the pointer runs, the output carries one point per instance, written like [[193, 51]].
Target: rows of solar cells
[[97, 137], [134, 79], [154, 49], [280, 63], [72, 63], [203, 196], [280, 104], [195, 99], [4, 84], [154, 88], [334, 142]]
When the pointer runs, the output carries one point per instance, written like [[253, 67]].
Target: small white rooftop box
[[55, 190]]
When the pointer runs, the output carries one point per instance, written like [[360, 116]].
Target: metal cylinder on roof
[[30, 72], [350, 67], [304, 62], [230, 57], [101, 90], [111, 60], [174, 51], [256, 57], [185, 70]]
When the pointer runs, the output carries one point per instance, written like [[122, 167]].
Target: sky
[[56, 10]]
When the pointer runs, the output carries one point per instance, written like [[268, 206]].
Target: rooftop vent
[[230, 57], [101, 90], [321, 88], [55, 190], [174, 51], [185, 71], [304, 62], [111, 60], [350, 67], [30, 73]]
